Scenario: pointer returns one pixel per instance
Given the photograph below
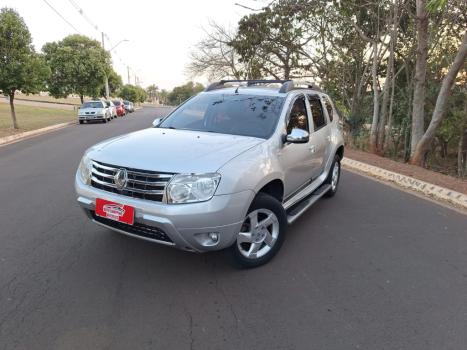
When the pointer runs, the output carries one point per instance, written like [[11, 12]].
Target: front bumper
[[91, 117], [187, 225]]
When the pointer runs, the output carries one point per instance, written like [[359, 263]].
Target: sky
[[160, 34]]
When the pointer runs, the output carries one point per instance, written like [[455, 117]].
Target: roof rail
[[287, 84], [221, 84]]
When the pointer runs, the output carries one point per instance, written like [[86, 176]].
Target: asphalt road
[[371, 268]]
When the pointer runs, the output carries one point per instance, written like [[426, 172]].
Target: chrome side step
[[298, 209]]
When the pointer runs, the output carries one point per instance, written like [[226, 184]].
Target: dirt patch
[[414, 171]]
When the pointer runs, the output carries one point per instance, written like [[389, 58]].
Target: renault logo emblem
[[121, 178]]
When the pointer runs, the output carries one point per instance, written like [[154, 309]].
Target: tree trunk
[[12, 109], [418, 111], [384, 105], [374, 124], [81, 97], [382, 132], [441, 101], [462, 150]]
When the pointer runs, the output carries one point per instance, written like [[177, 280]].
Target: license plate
[[115, 211]]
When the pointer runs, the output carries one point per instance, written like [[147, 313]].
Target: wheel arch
[[274, 188], [340, 151]]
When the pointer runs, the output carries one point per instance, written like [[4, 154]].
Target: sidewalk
[[417, 172], [436, 186]]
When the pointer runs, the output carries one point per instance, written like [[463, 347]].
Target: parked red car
[[121, 111]]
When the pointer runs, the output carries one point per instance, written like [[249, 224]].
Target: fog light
[[214, 236]]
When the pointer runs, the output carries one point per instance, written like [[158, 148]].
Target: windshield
[[94, 104], [117, 103], [246, 115], [126, 102]]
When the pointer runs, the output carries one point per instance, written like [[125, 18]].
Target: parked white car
[[94, 111]]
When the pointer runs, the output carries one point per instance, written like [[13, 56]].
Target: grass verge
[[32, 118]]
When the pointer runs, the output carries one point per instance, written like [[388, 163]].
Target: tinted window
[[92, 104], [328, 105], [317, 112], [247, 115], [298, 116], [117, 103]]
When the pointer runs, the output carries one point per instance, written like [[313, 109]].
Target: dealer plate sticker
[[115, 211]]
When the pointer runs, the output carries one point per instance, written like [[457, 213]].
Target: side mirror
[[298, 136], [156, 122]]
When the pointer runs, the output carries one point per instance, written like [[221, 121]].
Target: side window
[[328, 105], [298, 116], [317, 112]]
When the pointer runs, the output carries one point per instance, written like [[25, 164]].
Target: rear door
[[320, 137]]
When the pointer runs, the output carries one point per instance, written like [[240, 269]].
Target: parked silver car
[[130, 108], [94, 111], [112, 109], [229, 168]]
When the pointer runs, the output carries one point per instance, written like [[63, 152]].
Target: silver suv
[[229, 168]]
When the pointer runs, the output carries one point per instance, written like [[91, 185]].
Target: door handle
[[312, 148]]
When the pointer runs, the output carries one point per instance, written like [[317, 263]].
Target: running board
[[298, 209]]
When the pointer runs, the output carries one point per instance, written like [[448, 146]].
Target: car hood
[[167, 150]]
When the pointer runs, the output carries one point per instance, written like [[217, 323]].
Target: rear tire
[[104, 121], [262, 233], [333, 177]]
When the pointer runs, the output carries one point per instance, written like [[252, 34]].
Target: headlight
[[84, 169], [190, 188]]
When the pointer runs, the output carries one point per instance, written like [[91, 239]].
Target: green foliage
[[20, 67], [184, 92], [163, 96], [133, 93], [79, 65], [152, 92], [275, 38]]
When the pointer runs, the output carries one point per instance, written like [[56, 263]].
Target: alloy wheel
[[258, 234]]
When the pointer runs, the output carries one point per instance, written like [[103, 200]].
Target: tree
[[133, 93], [184, 92], [163, 96], [276, 38], [152, 91], [215, 58], [418, 108], [79, 65], [20, 67], [422, 146]]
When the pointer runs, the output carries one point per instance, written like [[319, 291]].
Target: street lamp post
[[107, 90]]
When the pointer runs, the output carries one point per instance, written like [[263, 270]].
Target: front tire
[[262, 233], [334, 177]]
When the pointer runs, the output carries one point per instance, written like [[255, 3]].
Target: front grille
[[141, 184], [137, 229]]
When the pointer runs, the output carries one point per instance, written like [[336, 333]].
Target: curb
[[428, 189], [28, 134]]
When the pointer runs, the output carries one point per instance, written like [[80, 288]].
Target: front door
[[296, 158]]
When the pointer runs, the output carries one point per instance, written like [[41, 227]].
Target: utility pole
[[106, 78]]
